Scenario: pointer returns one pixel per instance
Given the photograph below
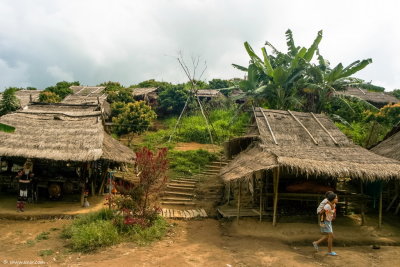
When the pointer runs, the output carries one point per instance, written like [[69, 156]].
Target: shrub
[[88, 237], [49, 97], [9, 102], [191, 161]]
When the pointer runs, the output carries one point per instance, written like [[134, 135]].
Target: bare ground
[[210, 242]]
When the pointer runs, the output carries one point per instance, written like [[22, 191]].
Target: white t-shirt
[[329, 212], [322, 205]]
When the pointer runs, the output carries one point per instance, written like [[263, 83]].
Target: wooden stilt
[[380, 206], [363, 221], [229, 192], [276, 183], [261, 193], [239, 199], [266, 189], [396, 195]]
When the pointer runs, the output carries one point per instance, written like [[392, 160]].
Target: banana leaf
[[6, 128]]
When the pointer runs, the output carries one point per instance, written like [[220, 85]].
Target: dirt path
[[195, 243]]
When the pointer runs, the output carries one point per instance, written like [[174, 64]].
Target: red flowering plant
[[136, 204]]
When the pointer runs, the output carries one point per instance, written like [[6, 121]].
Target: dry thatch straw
[[378, 99], [309, 144], [143, 91], [390, 146], [25, 96], [61, 132], [86, 95]]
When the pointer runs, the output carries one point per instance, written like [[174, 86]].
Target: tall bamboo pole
[[380, 205], [239, 199], [363, 221], [276, 183], [261, 193]]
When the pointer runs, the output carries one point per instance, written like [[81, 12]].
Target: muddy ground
[[210, 242]]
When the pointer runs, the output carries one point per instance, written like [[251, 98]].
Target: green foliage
[[111, 86], [132, 117], [172, 100], [42, 236], [9, 101], [104, 228], [120, 95], [46, 252], [191, 161], [218, 84], [224, 125], [349, 108], [6, 128], [31, 88], [396, 93], [49, 97], [388, 115], [364, 134], [62, 88], [151, 83]]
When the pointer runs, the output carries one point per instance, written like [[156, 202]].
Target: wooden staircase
[[195, 195]]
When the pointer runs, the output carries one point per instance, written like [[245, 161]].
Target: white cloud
[[129, 41]]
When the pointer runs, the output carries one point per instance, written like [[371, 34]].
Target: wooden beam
[[276, 183], [229, 192], [261, 192], [269, 126], [363, 221], [323, 127], [258, 125], [380, 205], [304, 127], [239, 199]]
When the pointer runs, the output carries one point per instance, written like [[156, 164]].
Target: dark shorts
[[326, 227]]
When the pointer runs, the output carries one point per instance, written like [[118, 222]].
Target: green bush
[[191, 161], [143, 236], [88, 237]]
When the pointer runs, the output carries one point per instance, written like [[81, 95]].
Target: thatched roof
[[86, 95], [310, 144], [390, 146], [379, 98], [61, 132], [143, 91], [208, 93], [25, 96]]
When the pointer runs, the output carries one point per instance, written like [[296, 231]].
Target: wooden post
[[229, 192], [261, 193], [380, 205], [266, 189], [239, 198], [276, 183], [363, 221]]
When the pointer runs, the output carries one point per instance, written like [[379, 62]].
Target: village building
[[297, 156], [66, 142], [378, 99], [150, 95]]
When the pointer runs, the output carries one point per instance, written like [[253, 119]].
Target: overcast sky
[[92, 41]]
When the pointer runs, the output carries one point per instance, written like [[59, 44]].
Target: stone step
[[180, 203], [182, 182], [179, 193], [182, 185], [176, 199]]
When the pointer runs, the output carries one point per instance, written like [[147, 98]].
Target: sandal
[[332, 253], [315, 246]]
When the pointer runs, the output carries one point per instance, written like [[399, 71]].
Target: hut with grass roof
[[290, 155], [378, 99], [149, 94], [66, 142], [390, 148]]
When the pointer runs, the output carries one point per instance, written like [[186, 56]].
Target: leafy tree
[[132, 117], [111, 86], [120, 95], [151, 83], [219, 84], [9, 101], [396, 93], [61, 89], [172, 99], [49, 97], [31, 88], [389, 114]]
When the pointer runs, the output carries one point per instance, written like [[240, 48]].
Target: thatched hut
[[292, 144], [390, 148], [150, 94], [60, 135], [378, 99], [26, 96], [208, 94]]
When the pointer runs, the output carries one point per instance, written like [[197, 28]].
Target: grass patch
[[54, 229], [46, 252], [42, 236], [31, 243], [191, 161], [95, 230]]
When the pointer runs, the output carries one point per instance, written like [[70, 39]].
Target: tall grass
[[191, 161]]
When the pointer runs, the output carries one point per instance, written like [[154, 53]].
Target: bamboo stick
[[269, 126], [276, 183], [323, 127], [380, 206], [239, 199], [304, 127]]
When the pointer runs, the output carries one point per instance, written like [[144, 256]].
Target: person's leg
[[323, 238], [330, 241]]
